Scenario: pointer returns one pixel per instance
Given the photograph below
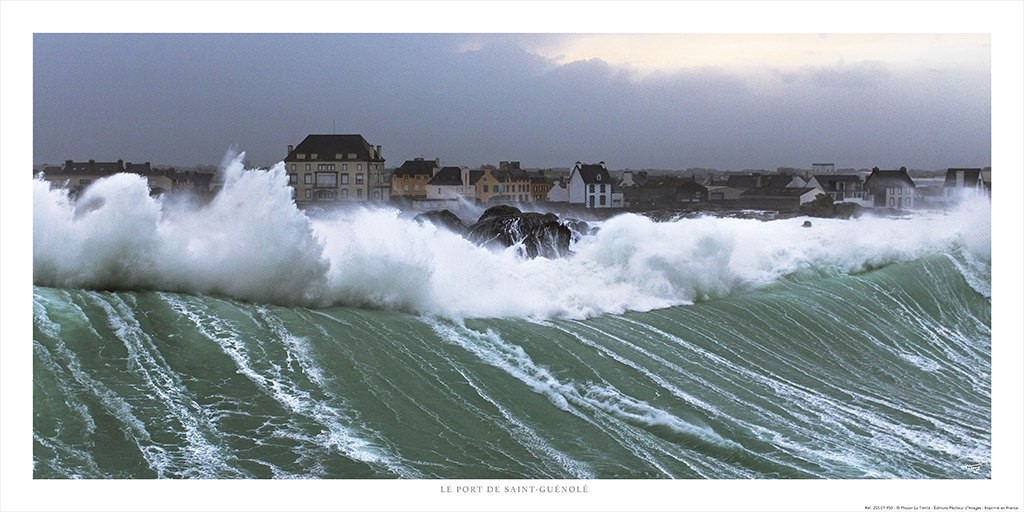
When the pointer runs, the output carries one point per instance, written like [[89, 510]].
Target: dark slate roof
[[416, 167], [447, 176], [673, 182], [474, 176], [741, 181], [594, 173], [776, 192], [144, 168], [92, 167], [327, 147], [778, 181], [888, 178], [828, 181], [971, 177]]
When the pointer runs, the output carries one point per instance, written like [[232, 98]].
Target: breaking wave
[[252, 243]]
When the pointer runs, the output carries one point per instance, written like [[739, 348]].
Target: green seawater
[[878, 374]]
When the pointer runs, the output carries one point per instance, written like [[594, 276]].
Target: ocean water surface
[[246, 339]]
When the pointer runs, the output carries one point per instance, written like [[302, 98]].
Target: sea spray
[[251, 242]]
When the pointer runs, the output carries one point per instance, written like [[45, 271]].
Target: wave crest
[[252, 243]]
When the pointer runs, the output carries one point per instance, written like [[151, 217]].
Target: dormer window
[[337, 156], [314, 156], [300, 156], [351, 156], [598, 177]]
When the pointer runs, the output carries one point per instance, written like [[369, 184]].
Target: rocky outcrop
[[443, 219], [538, 234]]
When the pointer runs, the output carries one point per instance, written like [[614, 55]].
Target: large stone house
[[891, 188], [590, 185], [334, 169]]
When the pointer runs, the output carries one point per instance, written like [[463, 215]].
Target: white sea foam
[[252, 243]]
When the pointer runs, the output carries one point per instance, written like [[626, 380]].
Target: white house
[[591, 186], [449, 183], [559, 193], [844, 188]]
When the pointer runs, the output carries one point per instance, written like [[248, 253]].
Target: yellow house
[[410, 180]]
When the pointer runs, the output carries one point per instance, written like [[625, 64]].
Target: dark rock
[[806, 224], [578, 228], [443, 219], [538, 234], [824, 207]]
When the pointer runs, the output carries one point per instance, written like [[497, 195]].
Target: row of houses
[[76, 176], [335, 169]]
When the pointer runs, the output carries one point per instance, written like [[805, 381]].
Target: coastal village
[[327, 170]]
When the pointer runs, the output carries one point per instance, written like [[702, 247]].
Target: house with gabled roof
[[964, 181], [842, 187], [783, 199], [591, 185], [669, 192], [334, 169], [410, 179], [450, 183], [891, 188], [559, 192]]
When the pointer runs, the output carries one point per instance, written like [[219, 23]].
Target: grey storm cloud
[[184, 99]]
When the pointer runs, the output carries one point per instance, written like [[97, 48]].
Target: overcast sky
[[634, 101]]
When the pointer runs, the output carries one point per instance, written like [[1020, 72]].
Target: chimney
[[290, 148], [378, 151]]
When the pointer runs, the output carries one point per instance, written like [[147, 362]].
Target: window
[[359, 193], [591, 201], [309, 193], [892, 201], [307, 167], [300, 156], [326, 179], [307, 178], [405, 188], [603, 198], [376, 194], [359, 167], [602, 191], [344, 193], [359, 178], [313, 157], [337, 156], [485, 188], [344, 167], [293, 167], [293, 179], [325, 195], [344, 179], [84, 182], [351, 156]]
